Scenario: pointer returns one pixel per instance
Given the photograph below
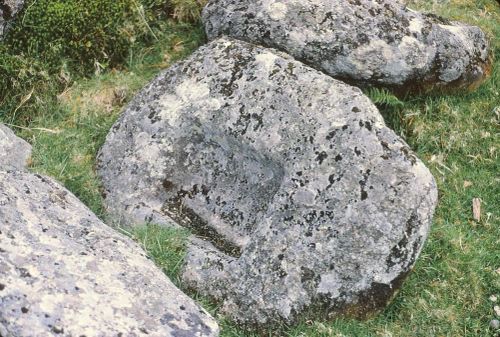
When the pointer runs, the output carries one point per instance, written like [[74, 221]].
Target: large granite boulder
[[64, 272], [8, 10], [363, 42], [14, 151], [303, 201]]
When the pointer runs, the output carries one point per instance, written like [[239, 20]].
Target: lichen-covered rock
[[8, 10], [363, 42], [64, 272], [305, 201], [14, 151]]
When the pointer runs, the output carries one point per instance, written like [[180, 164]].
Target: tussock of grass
[[165, 245], [188, 10], [455, 135]]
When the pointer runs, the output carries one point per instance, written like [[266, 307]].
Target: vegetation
[[55, 42], [63, 104]]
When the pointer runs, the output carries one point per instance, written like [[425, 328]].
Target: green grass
[[456, 136], [166, 246]]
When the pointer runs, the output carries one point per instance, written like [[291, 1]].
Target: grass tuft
[[166, 246], [188, 10]]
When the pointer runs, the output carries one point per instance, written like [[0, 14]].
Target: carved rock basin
[[302, 201]]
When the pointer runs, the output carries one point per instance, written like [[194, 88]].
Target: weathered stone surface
[[14, 151], [306, 201], [64, 272], [8, 10], [363, 42]]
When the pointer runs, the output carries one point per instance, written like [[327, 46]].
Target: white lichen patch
[[189, 93], [277, 10], [416, 55], [266, 60], [380, 55], [330, 284], [416, 25], [459, 32]]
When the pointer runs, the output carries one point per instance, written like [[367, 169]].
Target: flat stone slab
[[14, 151], [363, 42], [64, 272], [303, 202]]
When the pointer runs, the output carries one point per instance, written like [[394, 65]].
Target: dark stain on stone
[[408, 155], [400, 251], [321, 157], [331, 134], [375, 298], [23, 272], [364, 195], [362, 184], [167, 184], [6, 10], [306, 274], [366, 124], [328, 16], [57, 330], [240, 62]]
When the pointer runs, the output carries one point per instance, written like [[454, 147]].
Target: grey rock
[[495, 324], [64, 272], [14, 151], [303, 201], [8, 11], [363, 42]]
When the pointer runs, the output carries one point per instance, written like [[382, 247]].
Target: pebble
[[495, 324]]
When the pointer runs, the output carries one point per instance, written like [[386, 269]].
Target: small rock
[[497, 310], [363, 42], [495, 324], [493, 298], [14, 151]]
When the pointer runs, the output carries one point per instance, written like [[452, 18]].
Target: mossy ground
[[455, 135]]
